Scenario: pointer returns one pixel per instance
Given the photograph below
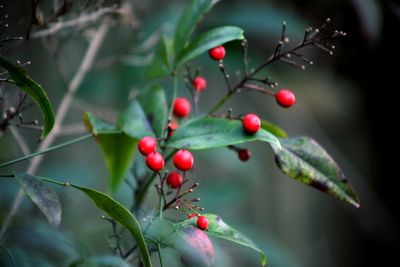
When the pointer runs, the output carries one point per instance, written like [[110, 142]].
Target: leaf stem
[[159, 254], [44, 151]]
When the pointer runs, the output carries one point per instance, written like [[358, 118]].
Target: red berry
[[174, 180], [147, 145], [199, 83], [171, 128], [192, 215], [244, 154], [202, 222], [183, 160], [285, 98], [155, 161], [217, 53], [251, 123], [181, 107]]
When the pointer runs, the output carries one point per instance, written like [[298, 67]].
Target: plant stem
[[76, 81], [142, 190], [240, 84], [159, 254], [44, 151]]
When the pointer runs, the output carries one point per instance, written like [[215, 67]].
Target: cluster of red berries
[[183, 160]]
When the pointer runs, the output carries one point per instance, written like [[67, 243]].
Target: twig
[[72, 129], [115, 235], [85, 66], [20, 140], [310, 38], [77, 22], [258, 89]]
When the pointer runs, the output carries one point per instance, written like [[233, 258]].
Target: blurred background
[[345, 101]]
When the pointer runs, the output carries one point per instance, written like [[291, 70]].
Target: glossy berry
[[285, 98], [174, 179], [199, 83], [147, 145], [183, 160], [251, 123], [155, 161], [181, 107], [244, 154], [202, 222], [217, 53], [171, 128], [192, 215]]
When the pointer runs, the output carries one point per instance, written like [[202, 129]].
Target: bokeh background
[[343, 102]]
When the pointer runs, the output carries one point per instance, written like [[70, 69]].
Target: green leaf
[[188, 21], [101, 261], [122, 215], [155, 107], [274, 129], [19, 76], [305, 160], [208, 40], [161, 63], [118, 148], [218, 228], [133, 121], [43, 196], [208, 132]]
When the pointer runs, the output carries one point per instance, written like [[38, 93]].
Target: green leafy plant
[[150, 122]]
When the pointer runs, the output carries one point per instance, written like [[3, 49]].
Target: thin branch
[[73, 129], [115, 235], [258, 89], [77, 22], [20, 140]]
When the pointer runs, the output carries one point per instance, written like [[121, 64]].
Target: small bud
[[302, 67], [12, 110], [333, 47], [36, 122], [328, 20], [284, 23], [190, 190], [317, 30], [177, 207], [331, 53], [311, 62], [288, 55], [286, 40], [67, 184]]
